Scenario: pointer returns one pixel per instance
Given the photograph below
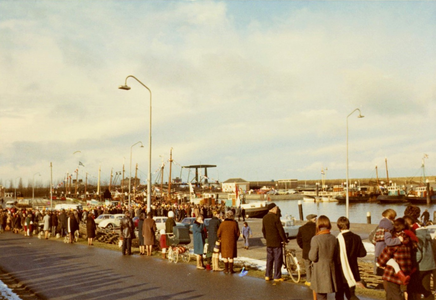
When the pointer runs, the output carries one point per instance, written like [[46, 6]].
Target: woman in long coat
[[90, 228], [228, 233], [198, 236], [46, 227], [73, 226], [324, 253], [149, 232], [141, 237]]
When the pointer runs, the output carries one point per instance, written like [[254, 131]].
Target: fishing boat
[[418, 195], [391, 193]]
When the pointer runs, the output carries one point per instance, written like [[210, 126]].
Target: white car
[[112, 222], [102, 217], [160, 222], [291, 230]]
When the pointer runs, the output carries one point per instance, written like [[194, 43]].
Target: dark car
[[187, 222]]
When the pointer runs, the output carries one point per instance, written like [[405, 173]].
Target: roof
[[230, 180]]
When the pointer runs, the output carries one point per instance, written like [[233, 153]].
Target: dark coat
[[355, 249], [140, 236], [169, 225], [273, 231], [90, 228], [74, 226], [228, 233], [149, 231], [212, 233], [63, 220], [324, 253], [126, 227], [304, 236]]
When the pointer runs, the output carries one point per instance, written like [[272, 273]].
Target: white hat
[[170, 214]]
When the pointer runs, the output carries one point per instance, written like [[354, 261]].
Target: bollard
[[300, 209], [368, 217]]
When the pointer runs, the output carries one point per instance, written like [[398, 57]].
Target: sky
[[264, 90]]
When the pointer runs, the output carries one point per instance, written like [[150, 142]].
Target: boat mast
[[169, 180], [387, 173], [376, 175]]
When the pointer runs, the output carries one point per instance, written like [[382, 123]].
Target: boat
[[418, 195], [391, 193], [256, 209], [309, 198], [357, 198]]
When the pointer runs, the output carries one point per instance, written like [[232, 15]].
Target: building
[[229, 186]]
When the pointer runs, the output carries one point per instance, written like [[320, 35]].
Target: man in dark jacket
[[63, 220], [274, 234], [350, 248], [126, 229], [304, 236]]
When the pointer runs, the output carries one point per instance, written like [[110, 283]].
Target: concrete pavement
[[55, 270]]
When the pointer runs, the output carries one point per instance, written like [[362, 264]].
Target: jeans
[[274, 260]]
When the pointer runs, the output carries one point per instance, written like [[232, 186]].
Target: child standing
[[163, 243], [246, 233]]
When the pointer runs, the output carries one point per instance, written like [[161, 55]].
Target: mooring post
[[368, 217], [300, 209]]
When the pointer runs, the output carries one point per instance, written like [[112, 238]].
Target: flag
[[80, 164]]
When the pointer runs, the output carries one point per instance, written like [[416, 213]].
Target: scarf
[[323, 231], [348, 274]]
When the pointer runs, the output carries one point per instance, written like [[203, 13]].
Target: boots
[[226, 267], [164, 255], [231, 268], [215, 264], [200, 262], [404, 279]]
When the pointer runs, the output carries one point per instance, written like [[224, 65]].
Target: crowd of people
[[404, 256]]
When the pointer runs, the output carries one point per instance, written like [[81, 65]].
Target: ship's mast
[[169, 180]]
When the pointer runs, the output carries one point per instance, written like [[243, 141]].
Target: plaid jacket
[[402, 255]]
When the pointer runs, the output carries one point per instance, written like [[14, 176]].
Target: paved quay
[[54, 270]]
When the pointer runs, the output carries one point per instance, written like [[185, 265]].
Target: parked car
[[101, 218], [160, 222], [10, 204], [291, 230], [187, 222], [112, 222]]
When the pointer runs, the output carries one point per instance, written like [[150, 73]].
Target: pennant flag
[[80, 164]]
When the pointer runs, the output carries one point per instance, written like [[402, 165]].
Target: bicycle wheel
[[170, 254], [293, 267], [175, 256], [186, 257]]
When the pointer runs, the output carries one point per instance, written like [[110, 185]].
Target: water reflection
[[333, 210]]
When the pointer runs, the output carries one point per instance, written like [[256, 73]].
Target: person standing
[[304, 236], [46, 227], [126, 229], [228, 233], [73, 226], [212, 238], [246, 234], [425, 217], [90, 228], [198, 236], [149, 233], [274, 234], [140, 233], [63, 219], [350, 248], [324, 254]]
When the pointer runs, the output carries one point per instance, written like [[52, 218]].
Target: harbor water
[[357, 211]]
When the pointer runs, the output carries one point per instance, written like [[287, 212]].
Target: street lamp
[[348, 184], [33, 186], [126, 87], [130, 173]]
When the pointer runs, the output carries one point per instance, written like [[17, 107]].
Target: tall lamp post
[[130, 173], [33, 186], [126, 87], [348, 183]]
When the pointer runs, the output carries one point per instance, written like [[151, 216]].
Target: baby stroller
[[177, 244]]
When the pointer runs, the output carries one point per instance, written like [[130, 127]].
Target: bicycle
[[291, 263]]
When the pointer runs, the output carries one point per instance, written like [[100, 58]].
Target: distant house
[[229, 186]]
